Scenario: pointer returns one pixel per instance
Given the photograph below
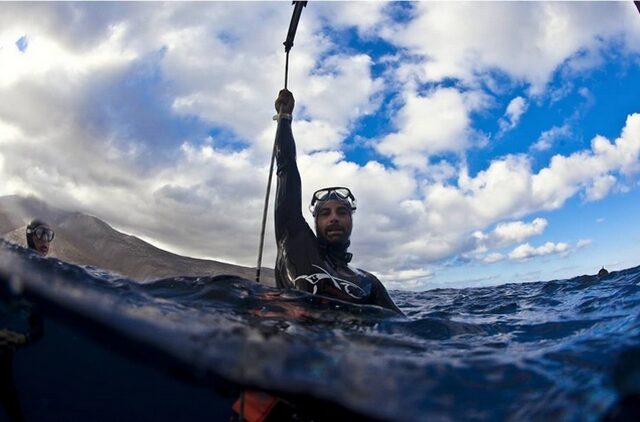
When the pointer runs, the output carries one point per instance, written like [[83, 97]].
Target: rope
[[266, 199]]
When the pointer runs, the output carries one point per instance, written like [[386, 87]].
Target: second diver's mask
[[42, 233]]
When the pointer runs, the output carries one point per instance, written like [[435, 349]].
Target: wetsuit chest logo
[[346, 286]]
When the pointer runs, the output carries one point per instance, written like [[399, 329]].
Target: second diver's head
[[333, 209], [39, 236]]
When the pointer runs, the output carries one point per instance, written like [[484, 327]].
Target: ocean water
[[556, 350]]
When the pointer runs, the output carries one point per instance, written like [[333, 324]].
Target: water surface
[[559, 350]]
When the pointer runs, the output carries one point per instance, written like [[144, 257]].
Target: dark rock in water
[[530, 351]]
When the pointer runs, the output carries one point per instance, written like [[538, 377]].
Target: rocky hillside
[[86, 240]]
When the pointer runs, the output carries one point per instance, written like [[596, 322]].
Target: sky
[[486, 143]]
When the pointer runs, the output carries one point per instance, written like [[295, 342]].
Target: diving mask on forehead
[[337, 193], [41, 233]]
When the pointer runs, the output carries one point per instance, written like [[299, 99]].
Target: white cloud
[[435, 123], [9, 132], [48, 57], [516, 108], [600, 187], [505, 234], [212, 81], [340, 74], [440, 172], [503, 189], [493, 257], [518, 231], [410, 274], [366, 17], [549, 137], [583, 243], [526, 40], [313, 135], [411, 279], [589, 169], [526, 251], [441, 223]]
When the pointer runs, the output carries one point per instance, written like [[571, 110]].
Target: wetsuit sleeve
[[381, 297], [288, 207]]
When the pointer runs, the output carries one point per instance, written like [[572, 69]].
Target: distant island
[[86, 240]]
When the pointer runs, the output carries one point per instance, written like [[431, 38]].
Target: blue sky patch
[[22, 43]]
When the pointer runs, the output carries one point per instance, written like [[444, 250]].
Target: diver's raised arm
[[288, 206]]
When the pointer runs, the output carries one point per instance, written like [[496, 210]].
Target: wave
[[559, 350]]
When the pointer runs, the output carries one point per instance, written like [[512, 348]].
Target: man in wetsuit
[[316, 264]]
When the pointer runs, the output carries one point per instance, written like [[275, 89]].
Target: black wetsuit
[[21, 324], [304, 261]]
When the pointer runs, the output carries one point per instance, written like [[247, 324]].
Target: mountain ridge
[[84, 239]]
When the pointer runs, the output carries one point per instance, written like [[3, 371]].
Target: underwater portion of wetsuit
[[304, 261], [21, 324]]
